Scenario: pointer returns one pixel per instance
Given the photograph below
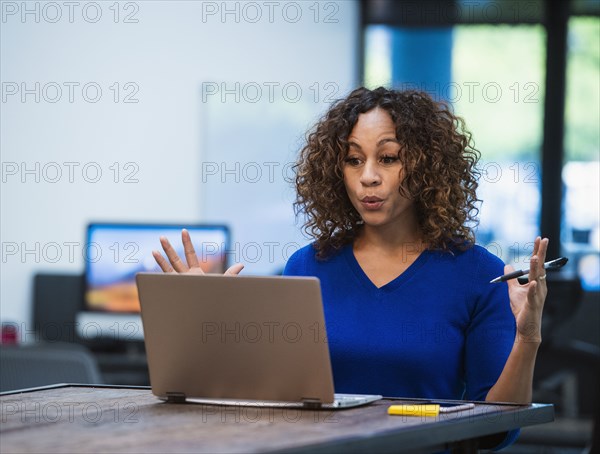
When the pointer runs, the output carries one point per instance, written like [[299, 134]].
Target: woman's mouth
[[371, 203]]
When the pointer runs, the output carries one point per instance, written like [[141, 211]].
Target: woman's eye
[[389, 159], [352, 161]]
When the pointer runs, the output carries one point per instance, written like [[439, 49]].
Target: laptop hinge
[[311, 402], [175, 398]]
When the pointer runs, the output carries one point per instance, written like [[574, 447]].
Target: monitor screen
[[115, 253]]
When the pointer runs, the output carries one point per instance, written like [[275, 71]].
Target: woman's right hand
[[176, 265]]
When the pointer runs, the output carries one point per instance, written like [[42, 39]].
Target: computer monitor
[[116, 252]]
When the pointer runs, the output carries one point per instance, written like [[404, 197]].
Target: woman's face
[[373, 171]]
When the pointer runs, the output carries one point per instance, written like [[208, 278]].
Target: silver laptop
[[241, 340]]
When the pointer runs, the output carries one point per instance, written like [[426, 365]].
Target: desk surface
[[74, 418]]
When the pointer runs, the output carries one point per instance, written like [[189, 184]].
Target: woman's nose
[[370, 174]]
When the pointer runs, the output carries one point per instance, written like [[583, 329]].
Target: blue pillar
[[422, 59]]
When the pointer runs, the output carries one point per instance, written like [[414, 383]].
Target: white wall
[[165, 139]]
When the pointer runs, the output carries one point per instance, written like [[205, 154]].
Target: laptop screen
[[116, 252]]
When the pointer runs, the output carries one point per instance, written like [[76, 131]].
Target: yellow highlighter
[[429, 409], [414, 410]]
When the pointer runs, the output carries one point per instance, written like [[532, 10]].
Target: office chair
[[564, 364], [564, 298], [46, 364]]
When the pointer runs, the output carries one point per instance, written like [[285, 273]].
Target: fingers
[[536, 245], [176, 262], [536, 268], [188, 247], [532, 290], [164, 265], [536, 264], [511, 282], [542, 249], [235, 269], [536, 295]]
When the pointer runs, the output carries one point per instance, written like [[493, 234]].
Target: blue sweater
[[440, 330]]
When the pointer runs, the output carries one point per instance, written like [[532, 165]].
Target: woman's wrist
[[531, 341], [530, 332]]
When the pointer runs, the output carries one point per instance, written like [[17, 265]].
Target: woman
[[387, 183]]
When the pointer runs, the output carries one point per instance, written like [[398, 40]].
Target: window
[[581, 170], [496, 83], [498, 72]]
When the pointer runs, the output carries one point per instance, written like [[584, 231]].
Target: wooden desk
[[77, 418]]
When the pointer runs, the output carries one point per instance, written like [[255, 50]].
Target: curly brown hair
[[438, 158]]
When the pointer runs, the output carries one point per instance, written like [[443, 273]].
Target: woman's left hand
[[527, 301]]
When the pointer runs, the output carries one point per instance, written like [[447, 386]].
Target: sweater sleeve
[[491, 332], [490, 336]]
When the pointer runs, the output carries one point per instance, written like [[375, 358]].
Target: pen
[[551, 265]]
